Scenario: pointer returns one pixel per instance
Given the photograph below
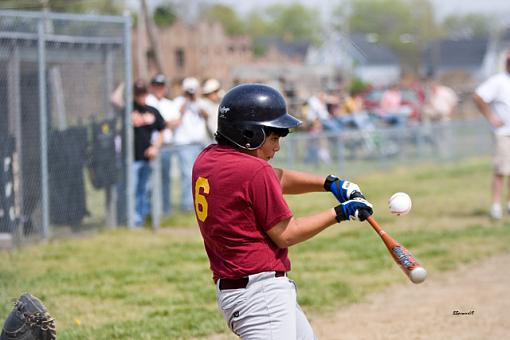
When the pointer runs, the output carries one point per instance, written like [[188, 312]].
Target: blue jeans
[[312, 150], [142, 175], [166, 184], [186, 154], [331, 124], [395, 118]]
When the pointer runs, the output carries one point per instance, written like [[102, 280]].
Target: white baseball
[[400, 203], [418, 275]]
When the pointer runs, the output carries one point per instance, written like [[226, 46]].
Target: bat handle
[[365, 215], [375, 225]]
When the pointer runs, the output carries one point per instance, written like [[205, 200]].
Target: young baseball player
[[245, 222]]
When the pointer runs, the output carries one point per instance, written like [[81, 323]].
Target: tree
[[154, 50], [164, 15], [294, 22], [110, 7], [467, 26], [404, 25], [257, 24], [258, 27], [227, 16]]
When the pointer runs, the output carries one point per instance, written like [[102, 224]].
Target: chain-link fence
[[367, 149], [61, 141], [63, 160]]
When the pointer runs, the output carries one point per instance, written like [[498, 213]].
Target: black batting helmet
[[246, 109]]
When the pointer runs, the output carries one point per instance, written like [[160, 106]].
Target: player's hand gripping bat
[[411, 267]]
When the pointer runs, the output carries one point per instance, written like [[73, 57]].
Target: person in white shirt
[[167, 109], [492, 98], [317, 109], [210, 103], [440, 103], [190, 137]]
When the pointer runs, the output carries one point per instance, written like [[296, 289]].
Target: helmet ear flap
[[253, 137], [247, 137]]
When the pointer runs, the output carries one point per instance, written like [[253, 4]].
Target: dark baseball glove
[[29, 320]]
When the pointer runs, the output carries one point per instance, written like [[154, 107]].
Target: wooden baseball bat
[[411, 267]]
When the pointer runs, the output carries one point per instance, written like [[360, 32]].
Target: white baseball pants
[[266, 309]]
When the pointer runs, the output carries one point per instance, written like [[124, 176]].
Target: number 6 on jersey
[[200, 200]]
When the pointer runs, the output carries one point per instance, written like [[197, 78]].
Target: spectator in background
[[352, 111], [319, 119], [440, 102], [117, 97], [190, 136], [391, 109], [492, 98], [332, 100], [318, 111], [210, 103], [157, 99], [350, 103], [146, 120], [391, 99]]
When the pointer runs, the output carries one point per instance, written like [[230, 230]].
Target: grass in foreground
[[140, 285]]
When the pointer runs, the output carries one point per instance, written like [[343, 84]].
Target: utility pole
[[153, 40], [141, 47]]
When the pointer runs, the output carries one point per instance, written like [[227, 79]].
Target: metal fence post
[[340, 152], [111, 190], [290, 152], [14, 109], [156, 192], [43, 127], [128, 96]]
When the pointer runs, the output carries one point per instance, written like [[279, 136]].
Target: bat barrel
[[409, 265]]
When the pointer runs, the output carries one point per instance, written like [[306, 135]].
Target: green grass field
[[142, 285]]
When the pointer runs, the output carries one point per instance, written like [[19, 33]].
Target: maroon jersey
[[237, 199]]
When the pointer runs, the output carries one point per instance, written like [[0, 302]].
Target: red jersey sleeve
[[266, 195]]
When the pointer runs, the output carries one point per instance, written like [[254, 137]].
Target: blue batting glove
[[357, 209], [342, 190]]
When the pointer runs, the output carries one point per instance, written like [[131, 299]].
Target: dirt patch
[[426, 311]]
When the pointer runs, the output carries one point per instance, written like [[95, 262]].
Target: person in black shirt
[[146, 121]]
